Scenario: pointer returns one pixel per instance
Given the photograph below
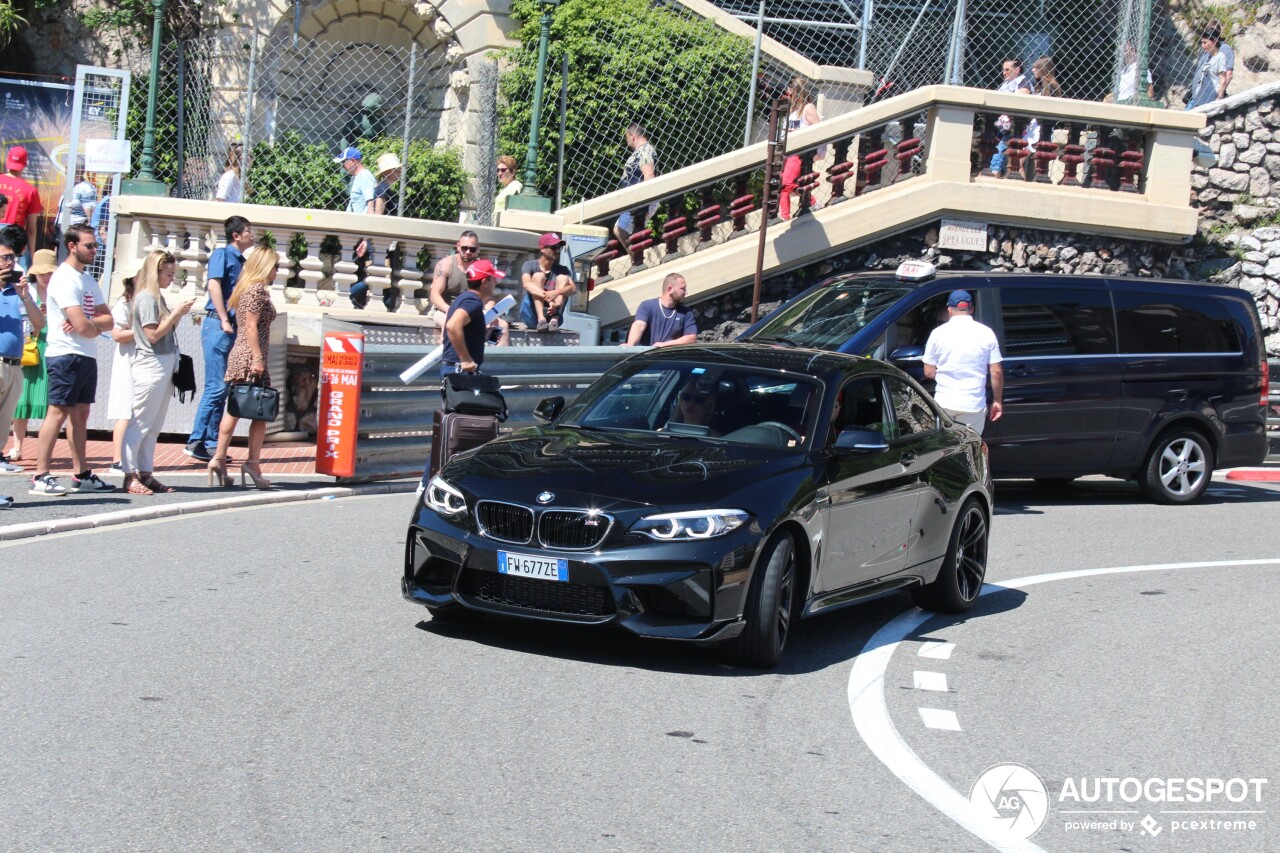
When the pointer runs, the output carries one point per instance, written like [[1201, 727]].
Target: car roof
[[954, 279], [812, 362]]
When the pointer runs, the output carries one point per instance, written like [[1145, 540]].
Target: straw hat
[[387, 162], [43, 261]]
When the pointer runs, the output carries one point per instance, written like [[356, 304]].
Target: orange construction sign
[[341, 371]]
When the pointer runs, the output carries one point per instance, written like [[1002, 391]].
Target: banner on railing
[[341, 372]]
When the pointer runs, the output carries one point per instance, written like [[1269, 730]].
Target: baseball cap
[[349, 154], [43, 261], [550, 240], [960, 299], [17, 158], [481, 270]]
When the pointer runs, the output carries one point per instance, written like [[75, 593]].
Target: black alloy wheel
[[1179, 468], [770, 606], [959, 581]]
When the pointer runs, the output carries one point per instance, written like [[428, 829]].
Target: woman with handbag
[[156, 356], [247, 363], [35, 379]]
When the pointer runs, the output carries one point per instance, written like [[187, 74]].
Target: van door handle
[[1021, 370]]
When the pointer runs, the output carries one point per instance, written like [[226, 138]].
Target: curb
[[111, 519]]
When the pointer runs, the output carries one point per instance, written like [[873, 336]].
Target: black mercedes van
[[1153, 380]]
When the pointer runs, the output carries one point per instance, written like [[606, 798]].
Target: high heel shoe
[[253, 471], [218, 473]]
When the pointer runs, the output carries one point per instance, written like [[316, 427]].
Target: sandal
[[134, 486], [153, 484]]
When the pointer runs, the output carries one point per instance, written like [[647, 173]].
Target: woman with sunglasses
[[695, 407], [247, 361], [507, 179]]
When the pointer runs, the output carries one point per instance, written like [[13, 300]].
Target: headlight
[[443, 498], [691, 525]]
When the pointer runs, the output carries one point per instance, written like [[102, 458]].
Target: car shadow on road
[[1028, 497], [817, 643]]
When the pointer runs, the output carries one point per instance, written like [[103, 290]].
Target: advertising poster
[[38, 116]]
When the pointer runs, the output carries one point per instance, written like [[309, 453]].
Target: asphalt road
[[252, 680]]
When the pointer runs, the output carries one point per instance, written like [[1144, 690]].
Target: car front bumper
[[690, 591]]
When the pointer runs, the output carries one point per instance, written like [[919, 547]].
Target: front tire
[[770, 607], [1179, 467], [959, 581]]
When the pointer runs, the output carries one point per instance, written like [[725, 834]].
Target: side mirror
[[862, 440], [548, 410], [909, 354]]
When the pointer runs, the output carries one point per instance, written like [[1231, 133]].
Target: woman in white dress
[[230, 187], [120, 397]]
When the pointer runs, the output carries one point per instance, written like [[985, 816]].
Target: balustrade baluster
[[1132, 162], [376, 275], [345, 270], [805, 183], [708, 217], [1103, 165], [193, 260], [1072, 156], [840, 171], [676, 226], [409, 280], [873, 163], [744, 202], [311, 269]]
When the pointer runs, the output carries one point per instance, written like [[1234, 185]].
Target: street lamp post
[[145, 183], [528, 198]]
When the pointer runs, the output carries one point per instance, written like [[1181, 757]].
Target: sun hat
[[43, 261], [387, 162]]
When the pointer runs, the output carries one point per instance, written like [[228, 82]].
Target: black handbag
[[473, 394], [184, 378], [255, 402]]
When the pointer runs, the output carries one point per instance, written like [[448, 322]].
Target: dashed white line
[[937, 651], [871, 714], [936, 718], [936, 681]]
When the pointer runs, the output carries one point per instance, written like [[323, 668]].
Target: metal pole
[[564, 118], [248, 107], [1144, 55], [957, 68], [147, 165], [868, 9], [771, 150], [905, 41], [531, 155], [755, 75], [182, 136], [408, 117]]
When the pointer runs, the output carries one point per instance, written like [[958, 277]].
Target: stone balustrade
[[316, 248], [937, 135]]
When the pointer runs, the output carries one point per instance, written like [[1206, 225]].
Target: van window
[[829, 316], [1153, 323], [1043, 321]]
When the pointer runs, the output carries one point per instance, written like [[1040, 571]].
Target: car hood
[[620, 469]]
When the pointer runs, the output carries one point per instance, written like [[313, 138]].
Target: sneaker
[[553, 325], [197, 450], [91, 483], [46, 484], [542, 325], [5, 501], [117, 467], [8, 467]]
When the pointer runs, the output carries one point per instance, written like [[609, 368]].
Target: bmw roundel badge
[[546, 497]]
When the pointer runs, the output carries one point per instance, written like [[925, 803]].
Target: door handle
[[1021, 370], [907, 458]]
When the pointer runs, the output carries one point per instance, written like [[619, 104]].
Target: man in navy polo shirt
[[217, 334], [665, 321], [464, 325], [15, 302]]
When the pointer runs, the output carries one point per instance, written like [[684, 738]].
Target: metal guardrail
[[394, 436]]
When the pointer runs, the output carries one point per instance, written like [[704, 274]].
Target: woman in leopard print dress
[[247, 361]]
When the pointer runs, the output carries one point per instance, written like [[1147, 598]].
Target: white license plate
[[526, 566]]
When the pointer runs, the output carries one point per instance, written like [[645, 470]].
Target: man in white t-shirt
[[959, 355], [77, 314]]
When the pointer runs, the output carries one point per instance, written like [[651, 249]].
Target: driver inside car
[[696, 405]]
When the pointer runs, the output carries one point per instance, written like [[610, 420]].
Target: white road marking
[[939, 651], [936, 718], [930, 680], [871, 714]]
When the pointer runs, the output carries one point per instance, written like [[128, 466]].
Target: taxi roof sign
[[916, 271]]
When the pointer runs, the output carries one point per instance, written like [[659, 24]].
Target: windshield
[[715, 402], [830, 316]]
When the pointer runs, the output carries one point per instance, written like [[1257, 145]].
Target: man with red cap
[[24, 199], [548, 284], [464, 325], [959, 355]]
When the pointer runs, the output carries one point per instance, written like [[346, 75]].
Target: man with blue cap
[[960, 354]]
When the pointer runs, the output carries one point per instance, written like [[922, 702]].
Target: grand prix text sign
[[341, 371]]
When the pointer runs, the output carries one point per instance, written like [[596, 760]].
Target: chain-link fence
[[280, 108]]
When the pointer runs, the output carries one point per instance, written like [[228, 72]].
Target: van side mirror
[[907, 355], [862, 440], [548, 410]]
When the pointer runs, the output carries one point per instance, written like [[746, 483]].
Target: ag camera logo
[[1013, 797]]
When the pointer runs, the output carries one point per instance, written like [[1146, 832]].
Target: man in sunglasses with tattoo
[[449, 281]]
